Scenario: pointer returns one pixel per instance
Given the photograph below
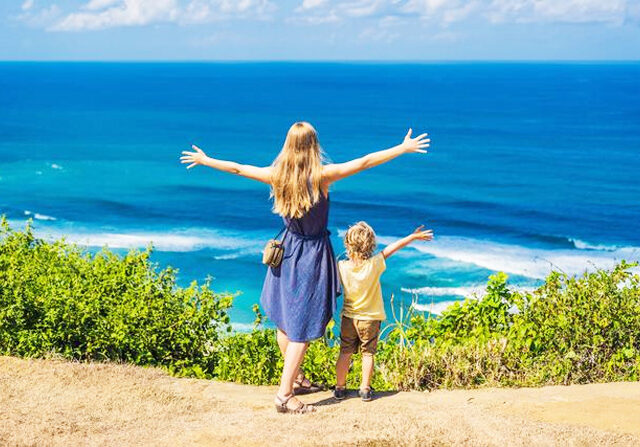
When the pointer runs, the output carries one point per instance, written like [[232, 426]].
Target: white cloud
[[315, 19], [633, 12], [95, 5], [103, 14], [362, 8], [570, 11], [581, 10], [318, 12], [38, 17], [521, 11], [446, 12], [27, 5], [232, 7], [311, 4], [495, 11], [201, 11]]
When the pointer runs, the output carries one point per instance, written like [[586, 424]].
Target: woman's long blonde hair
[[296, 177]]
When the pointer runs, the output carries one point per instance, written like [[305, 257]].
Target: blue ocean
[[533, 166]]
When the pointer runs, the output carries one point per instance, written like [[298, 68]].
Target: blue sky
[[320, 30]]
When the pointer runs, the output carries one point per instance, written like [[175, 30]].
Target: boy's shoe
[[340, 393], [366, 394]]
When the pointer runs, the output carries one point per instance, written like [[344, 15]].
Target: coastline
[[232, 257]]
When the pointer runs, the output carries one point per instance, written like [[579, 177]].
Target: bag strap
[[285, 228]]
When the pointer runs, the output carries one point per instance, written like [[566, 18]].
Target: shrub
[[57, 299], [252, 358], [578, 330], [570, 330]]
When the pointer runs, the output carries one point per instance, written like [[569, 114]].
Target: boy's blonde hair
[[360, 241], [297, 172]]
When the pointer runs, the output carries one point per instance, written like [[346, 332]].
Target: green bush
[[252, 358], [570, 330], [57, 299], [579, 330]]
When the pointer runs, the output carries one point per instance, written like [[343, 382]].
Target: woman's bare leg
[[292, 361], [283, 342]]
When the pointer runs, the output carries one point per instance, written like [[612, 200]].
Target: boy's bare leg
[[367, 371], [342, 369]]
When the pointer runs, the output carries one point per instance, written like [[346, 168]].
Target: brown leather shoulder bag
[[274, 250]]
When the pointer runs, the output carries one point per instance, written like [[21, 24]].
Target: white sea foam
[[242, 327], [228, 256], [446, 291], [474, 292], [434, 308], [237, 254], [172, 241], [38, 216], [55, 166], [582, 245], [464, 291], [516, 259], [163, 242]]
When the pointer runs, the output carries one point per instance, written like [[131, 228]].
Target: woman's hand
[[193, 158], [418, 144], [422, 235]]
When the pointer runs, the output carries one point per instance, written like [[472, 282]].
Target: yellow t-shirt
[[361, 288]]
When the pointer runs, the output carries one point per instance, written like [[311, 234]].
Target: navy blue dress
[[300, 295]]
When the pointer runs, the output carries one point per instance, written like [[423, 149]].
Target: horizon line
[[338, 61]]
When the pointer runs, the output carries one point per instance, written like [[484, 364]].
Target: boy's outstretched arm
[[419, 234]]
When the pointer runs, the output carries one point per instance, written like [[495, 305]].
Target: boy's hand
[[422, 235], [418, 235]]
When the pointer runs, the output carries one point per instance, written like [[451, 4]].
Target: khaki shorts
[[361, 334]]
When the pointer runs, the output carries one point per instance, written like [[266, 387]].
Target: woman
[[299, 296]]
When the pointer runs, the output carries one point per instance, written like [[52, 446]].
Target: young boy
[[363, 309]]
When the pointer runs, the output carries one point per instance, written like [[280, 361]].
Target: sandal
[[300, 388], [282, 407]]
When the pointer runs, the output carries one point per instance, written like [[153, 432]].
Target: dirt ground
[[55, 403]]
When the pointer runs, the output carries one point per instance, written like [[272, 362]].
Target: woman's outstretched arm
[[337, 171], [200, 158]]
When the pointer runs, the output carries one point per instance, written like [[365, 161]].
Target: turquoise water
[[531, 165]]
